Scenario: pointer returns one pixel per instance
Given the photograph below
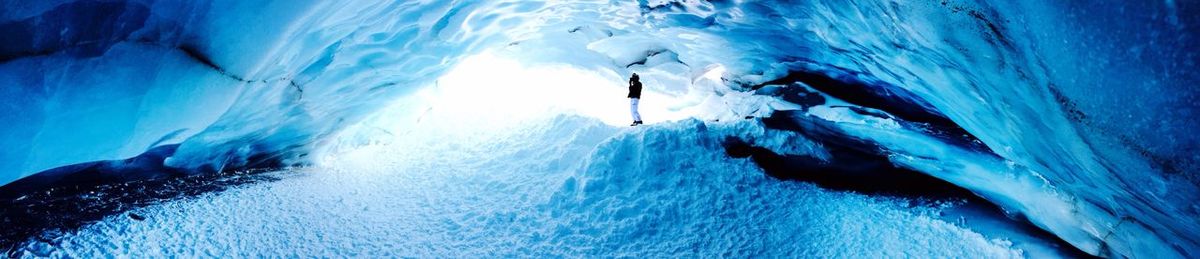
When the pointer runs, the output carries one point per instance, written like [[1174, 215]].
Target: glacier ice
[[1077, 116]]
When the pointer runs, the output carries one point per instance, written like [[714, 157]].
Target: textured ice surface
[[1084, 112], [562, 186]]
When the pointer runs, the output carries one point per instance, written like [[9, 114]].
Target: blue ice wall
[[1084, 111], [231, 80], [86, 81]]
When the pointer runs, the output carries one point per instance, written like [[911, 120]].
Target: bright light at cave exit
[[492, 90]]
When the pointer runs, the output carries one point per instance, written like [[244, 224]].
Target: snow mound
[[564, 186]]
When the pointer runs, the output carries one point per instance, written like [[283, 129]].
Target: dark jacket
[[635, 89]]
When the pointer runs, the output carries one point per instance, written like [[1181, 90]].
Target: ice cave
[[502, 128]]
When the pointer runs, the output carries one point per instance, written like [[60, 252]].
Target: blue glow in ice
[[1078, 116]]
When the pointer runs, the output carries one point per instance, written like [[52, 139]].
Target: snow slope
[[558, 186]]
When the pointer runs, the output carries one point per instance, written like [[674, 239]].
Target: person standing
[[635, 94]]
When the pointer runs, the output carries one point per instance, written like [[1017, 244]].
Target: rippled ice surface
[[565, 186]]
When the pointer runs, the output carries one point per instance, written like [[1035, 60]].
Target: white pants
[[633, 103]]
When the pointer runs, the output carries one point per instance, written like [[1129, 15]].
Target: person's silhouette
[[635, 94]]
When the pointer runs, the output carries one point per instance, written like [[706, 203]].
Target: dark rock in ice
[[66, 198]]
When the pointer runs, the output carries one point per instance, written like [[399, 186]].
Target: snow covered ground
[[561, 185]]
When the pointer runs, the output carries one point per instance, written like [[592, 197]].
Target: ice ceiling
[[1076, 115]]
